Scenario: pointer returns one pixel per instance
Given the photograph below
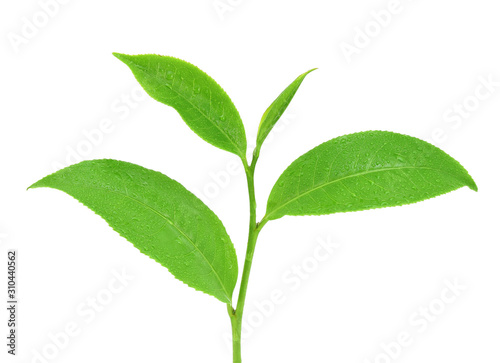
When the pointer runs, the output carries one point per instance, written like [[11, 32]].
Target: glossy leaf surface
[[365, 170], [199, 100], [277, 108], [159, 216]]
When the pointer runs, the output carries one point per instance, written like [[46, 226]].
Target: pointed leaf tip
[[203, 105], [159, 217], [274, 112], [365, 170]]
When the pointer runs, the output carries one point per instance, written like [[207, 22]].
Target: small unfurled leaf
[[277, 108], [159, 216], [199, 100], [365, 170]]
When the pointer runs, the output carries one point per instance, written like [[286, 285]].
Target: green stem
[[236, 315], [236, 328]]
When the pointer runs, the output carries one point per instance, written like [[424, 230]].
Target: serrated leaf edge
[[472, 185], [241, 153], [228, 296]]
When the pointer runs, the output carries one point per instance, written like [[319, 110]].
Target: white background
[[429, 57]]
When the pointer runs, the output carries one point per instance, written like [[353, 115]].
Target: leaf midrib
[[176, 227], [192, 104], [266, 217]]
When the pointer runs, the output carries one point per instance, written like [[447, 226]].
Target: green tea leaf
[[277, 108], [199, 100], [159, 216], [365, 170]]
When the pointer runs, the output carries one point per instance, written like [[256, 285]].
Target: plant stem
[[236, 329], [236, 315]]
